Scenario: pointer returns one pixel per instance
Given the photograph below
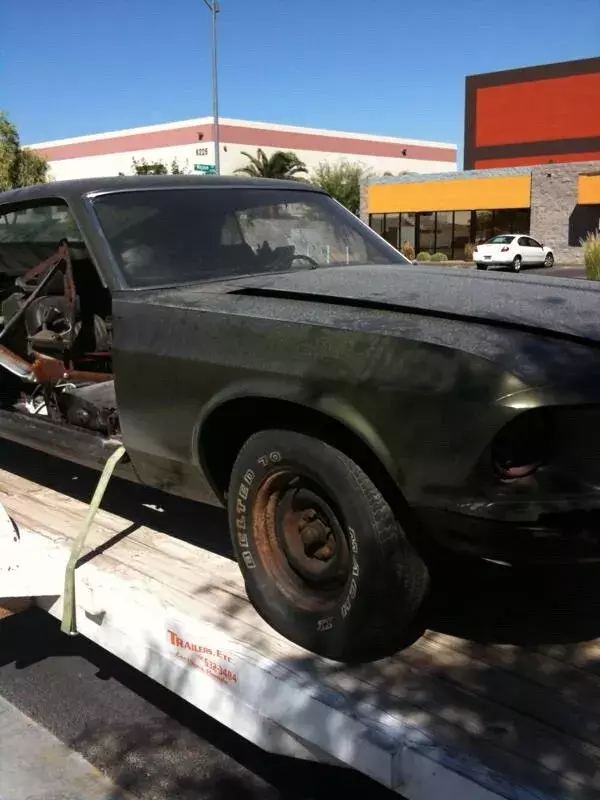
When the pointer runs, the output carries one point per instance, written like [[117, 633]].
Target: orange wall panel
[[552, 109], [588, 190], [462, 194]]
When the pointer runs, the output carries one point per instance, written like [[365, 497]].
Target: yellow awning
[[460, 194], [588, 190]]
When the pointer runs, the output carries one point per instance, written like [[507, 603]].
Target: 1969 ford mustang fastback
[[253, 344]]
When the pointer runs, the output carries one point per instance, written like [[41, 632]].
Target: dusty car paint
[[424, 368]]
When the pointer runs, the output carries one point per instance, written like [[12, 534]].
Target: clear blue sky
[[392, 67]]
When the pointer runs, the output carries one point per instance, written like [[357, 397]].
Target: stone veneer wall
[[553, 200], [364, 209]]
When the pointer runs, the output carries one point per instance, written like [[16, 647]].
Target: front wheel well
[[227, 428]]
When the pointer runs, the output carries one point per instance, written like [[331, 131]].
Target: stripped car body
[[470, 398]]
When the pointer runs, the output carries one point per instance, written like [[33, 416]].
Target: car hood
[[556, 306]]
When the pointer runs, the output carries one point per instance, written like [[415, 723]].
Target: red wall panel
[[533, 115], [543, 110]]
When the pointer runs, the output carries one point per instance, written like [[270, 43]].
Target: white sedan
[[514, 251]]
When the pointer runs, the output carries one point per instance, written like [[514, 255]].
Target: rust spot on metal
[[297, 543], [52, 370], [10, 359], [14, 605]]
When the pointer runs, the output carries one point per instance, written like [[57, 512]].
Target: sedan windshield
[[161, 237]]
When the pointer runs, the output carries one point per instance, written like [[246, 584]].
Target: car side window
[[31, 234], [534, 243], [46, 224], [523, 241]]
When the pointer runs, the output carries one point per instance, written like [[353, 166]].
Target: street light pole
[[214, 8]]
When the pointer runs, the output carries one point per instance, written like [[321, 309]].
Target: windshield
[[500, 240], [162, 237]]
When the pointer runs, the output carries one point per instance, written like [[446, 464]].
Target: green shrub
[[469, 248], [408, 251], [591, 255], [424, 256], [439, 257]]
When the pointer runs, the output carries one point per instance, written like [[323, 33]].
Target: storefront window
[[504, 221], [443, 232], [408, 230], [426, 231], [448, 231], [521, 220], [376, 222], [462, 233], [392, 228], [484, 226]]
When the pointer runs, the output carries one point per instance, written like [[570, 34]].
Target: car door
[[523, 249], [536, 251]]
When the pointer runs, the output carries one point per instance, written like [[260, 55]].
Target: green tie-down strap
[[69, 618]]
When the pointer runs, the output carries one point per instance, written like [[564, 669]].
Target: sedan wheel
[[516, 265], [549, 260]]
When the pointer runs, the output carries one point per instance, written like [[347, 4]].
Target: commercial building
[[191, 144], [515, 180]]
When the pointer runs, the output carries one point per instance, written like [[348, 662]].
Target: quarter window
[[45, 224]]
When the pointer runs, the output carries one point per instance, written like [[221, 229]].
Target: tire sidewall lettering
[[241, 517], [346, 606], [273, 457], [241, 508]]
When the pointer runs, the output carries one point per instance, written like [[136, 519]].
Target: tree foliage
[[341, 181], [142, 167], [19, 166], [280, 165]]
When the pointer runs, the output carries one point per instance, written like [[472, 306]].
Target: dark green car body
[[418, 369], [440, 382]]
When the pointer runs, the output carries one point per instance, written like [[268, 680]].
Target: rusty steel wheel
[[324, 560], [300, 540]]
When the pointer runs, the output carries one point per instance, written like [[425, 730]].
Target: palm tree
[[279, 165]]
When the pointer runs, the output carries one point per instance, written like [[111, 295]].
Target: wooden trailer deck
[[500, 697]]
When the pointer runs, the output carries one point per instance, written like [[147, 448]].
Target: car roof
[[76, 189]]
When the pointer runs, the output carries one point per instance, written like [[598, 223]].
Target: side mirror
[[414, 262]]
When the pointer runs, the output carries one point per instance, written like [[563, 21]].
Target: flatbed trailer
[[448, 717]]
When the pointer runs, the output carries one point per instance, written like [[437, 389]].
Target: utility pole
[[214, 8]]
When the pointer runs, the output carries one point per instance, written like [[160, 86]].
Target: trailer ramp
[[447, 718]]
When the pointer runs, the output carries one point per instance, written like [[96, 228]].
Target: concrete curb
[[35, 765]]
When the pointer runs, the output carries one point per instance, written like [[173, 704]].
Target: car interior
[[56, 334]]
